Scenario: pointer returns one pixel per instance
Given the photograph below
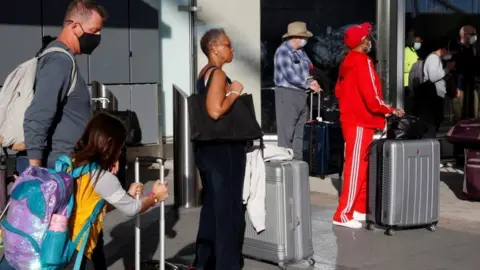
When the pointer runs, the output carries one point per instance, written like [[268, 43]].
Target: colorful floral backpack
[[41, 202]]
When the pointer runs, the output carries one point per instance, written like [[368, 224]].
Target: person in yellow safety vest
[[413, 43]]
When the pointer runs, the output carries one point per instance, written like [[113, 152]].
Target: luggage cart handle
[[161, 161], [319, 118], [147, 159]]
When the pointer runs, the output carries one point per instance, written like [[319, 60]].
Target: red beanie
[[355, 34]]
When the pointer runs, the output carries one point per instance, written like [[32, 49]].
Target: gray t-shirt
[[54, 122], [109, 188]]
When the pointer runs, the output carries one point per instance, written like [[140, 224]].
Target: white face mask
[[417, 45], [368, 47], [447, 57], [303, 42], [473, 39]]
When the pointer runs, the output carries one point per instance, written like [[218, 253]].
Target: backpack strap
[[85, 232], [65, 164], [73, 76]]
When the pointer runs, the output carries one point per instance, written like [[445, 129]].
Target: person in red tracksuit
[[362, 111]]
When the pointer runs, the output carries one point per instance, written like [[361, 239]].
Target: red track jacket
[[359, 92]]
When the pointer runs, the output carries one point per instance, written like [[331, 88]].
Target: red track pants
[[354, 188]]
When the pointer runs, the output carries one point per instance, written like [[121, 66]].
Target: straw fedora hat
[[298, 29]]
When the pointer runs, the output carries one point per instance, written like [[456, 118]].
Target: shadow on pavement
[[122, 245], [184, 256], [454, 181]]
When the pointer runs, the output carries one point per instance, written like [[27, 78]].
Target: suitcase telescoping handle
[[160, 161], [319, 118]]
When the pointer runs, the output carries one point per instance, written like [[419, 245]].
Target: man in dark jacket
[[467, 68]]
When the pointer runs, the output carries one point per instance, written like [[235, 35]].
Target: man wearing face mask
[[292, 83], [466, 69], [55, 121], [362, 111]]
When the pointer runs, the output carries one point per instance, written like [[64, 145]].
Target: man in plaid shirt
[[292, 84]]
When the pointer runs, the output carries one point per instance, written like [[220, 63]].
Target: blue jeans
[[222, 218]]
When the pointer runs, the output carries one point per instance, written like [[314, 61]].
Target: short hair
[[84, 9], [210, 37], [465, 27]]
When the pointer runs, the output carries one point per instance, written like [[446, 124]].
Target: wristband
[[233, 92], [151, 194]]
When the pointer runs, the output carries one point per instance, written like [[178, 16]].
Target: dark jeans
[[431, 132], [430, 110], [408, 101], [222, 218]]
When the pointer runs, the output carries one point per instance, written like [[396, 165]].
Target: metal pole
[[390, 49], [193, 46], [186, 189], [137, 220], [383, 44], [162, 219], [399, 52]]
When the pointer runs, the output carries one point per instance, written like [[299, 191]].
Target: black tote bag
[[405, 128], [238, 124]]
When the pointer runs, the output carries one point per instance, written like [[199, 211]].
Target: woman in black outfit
[[221, 165]]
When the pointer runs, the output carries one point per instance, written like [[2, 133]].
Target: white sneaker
[[359, 216], [354, 224]]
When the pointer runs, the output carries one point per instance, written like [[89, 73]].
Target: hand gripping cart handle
[[162, 262]]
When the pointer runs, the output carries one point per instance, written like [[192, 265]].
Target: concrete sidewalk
[[453, 204], [454, 245]]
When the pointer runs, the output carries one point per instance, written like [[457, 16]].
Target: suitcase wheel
[[432, 227], [311, 261], [390, 231], [322, 177]]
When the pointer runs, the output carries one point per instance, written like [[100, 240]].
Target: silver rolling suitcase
[[161, 264], [288, 234], [403, 184]]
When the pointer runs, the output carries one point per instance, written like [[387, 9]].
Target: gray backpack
[[16, 96]]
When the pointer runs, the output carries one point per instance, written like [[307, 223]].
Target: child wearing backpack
[[41, 211]]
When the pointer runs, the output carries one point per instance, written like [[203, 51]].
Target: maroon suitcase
[[465, 132], [471, 181]]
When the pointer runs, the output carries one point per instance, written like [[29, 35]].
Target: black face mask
[[88, 42]]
